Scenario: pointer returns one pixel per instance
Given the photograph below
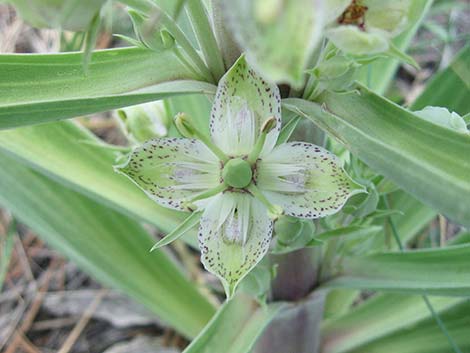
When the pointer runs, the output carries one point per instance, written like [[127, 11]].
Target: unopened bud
[[441, 116], [336, 73], [147, 29], [184, 125], [144, 121], [167, 39]]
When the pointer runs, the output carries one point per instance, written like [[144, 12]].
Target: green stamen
[[206, 194], [275, 211], [237, 173], [187, 129], [266, 128]]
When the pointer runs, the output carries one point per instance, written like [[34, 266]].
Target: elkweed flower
[[362, 27], [239, 178]]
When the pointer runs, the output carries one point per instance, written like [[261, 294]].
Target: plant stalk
[[205, 37]]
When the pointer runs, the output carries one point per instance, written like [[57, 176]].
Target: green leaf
[[347, 232], [109, 246], [442, 271], [425, 337], [90, 41], [277, 36], [58, 150], [450, 88], [61, 90], [414, 218], [434, 168], [198, 16], [235, 327], [190, 222], [382, 316], [287, 130]]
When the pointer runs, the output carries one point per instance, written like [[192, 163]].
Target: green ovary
[[237, 173]]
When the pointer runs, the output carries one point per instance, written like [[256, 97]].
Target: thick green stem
[[205, 36], [149, 7]]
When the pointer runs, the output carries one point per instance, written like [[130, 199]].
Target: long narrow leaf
[[106, 244], [426, 337], [235, 327], [42, 88], [379, 317], [442, 271], [451, 87], [58, 150]]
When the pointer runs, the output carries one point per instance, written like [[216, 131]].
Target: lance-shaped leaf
[[235, 327], [59, 151], [449, 88], [427, 160], [442, 271], [42, 88], [426, 336], [278, 36], [111, 247], [381, 316]]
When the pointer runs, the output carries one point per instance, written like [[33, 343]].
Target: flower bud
[[145, 121], [148, 30], [184, 125], [367, 26], [336, 73], [70, 15], [441, 116], [288, 229]]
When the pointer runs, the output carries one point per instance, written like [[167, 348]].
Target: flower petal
[[278, 36], [388, 15], [234, 236], [353, 40], [307, 181], [172, 170], [242, 103]]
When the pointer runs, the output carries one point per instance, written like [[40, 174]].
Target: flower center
[[354, 15], [237, 173]]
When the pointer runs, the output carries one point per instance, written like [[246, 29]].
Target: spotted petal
[[172, 170], [307, 181], [234, 236], [242, 103]]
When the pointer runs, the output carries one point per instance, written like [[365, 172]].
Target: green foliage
[[109, 246]]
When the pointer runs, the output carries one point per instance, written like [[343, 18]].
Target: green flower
[[239, 179], [366, 26]]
